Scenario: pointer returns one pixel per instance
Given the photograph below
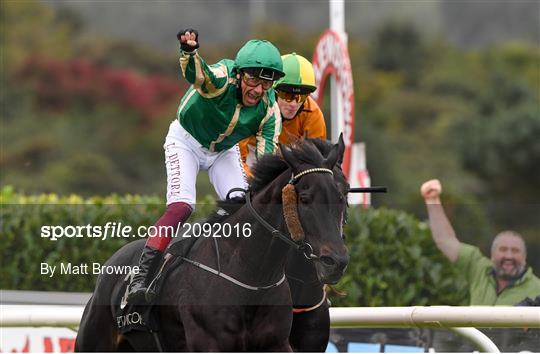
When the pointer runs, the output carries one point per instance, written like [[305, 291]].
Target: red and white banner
[[331, 59]]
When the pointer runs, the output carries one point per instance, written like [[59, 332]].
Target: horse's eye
[[305, 198]]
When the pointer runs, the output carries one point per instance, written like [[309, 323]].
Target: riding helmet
[[262, 58], [299, 75]]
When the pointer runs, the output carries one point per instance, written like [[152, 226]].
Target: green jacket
[[212, 111], [482, 285]]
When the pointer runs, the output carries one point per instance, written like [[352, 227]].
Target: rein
[[233, 280]]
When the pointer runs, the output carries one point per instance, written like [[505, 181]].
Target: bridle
[[296, 239]]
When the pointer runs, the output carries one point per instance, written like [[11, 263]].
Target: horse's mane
[[269, 167]]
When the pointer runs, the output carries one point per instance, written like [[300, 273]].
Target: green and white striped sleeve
[[269, 130], [210, 81]]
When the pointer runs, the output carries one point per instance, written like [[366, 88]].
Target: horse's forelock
[[324, 146], [269, 167], [306, 152]]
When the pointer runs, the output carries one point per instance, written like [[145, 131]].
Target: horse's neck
[[261, 255]]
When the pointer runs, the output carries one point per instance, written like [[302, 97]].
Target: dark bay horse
[[248, 306]]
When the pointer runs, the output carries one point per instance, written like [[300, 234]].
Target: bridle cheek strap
[[290, 212]]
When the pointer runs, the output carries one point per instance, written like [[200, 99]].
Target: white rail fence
[[460, 320], [436, 317]]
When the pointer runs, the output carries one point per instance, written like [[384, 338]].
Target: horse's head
[[319, 189]]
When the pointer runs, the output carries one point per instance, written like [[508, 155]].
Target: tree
[[398, 47]]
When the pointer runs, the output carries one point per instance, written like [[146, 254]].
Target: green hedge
[[23, 249], [393, 260]]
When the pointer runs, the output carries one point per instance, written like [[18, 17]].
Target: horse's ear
[[287, 154], [341, 149], [335, 156]]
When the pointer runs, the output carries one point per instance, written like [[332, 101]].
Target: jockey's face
[[290, 103], [253, 89], [288, 109]]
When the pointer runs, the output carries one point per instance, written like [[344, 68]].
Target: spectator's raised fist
[[431, 190], [189, 39]]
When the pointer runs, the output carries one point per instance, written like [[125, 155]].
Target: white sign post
[[331, 59], [337, 24]]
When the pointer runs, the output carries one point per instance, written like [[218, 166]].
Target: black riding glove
[[183, 45]]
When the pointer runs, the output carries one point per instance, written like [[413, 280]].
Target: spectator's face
[[508, 256]]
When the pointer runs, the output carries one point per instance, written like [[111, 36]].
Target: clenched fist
[[189, 39], [431, 191]]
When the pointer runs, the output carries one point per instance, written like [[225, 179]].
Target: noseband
[[290, 213]]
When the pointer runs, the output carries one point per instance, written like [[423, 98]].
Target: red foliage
[[59, 85]]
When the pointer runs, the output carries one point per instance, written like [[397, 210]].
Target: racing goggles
[[253, 81], [289, 97]]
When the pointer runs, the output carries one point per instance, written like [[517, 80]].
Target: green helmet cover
[[260, 54]]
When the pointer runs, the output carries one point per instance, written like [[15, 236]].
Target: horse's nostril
[[328, 261]]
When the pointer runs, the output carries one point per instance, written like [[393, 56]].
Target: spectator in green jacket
[[504, 279]]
